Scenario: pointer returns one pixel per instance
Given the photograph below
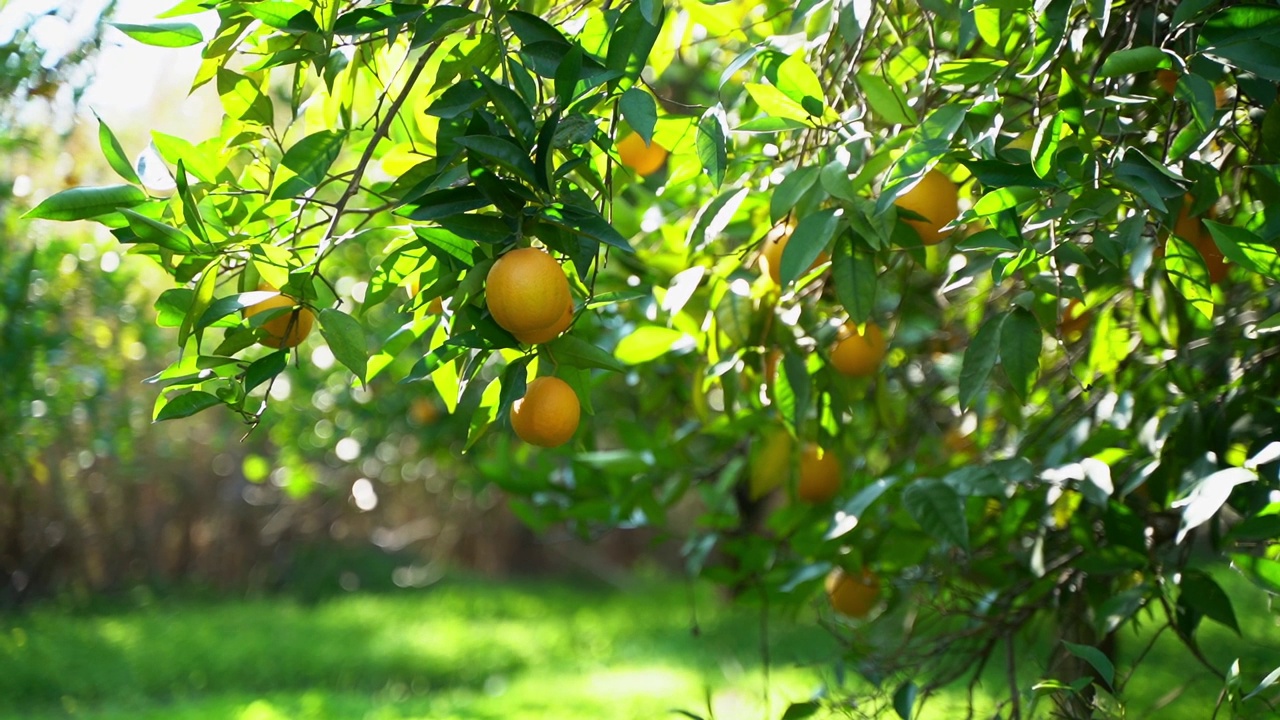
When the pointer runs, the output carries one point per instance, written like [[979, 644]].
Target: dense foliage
[[1114, 258]]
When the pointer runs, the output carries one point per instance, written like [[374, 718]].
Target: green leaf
[[1267, 682], [712, 151], [172, 306], [938, 509], [1245, 249], [1123, 63], [114, 153], [1264, 572], [153, 231], [573, 351], [224, 306], [793, 389], [887, 102], [364, 21], [788, 192], [531, 29], [650, 342], [630, 44], [309, 159], [930, 141], [346, 339], [979, 359], [776, 103], [243, 99], [170, 35], [283, 16], [1186, 270], [186, 405], [1020, 350], [771, 125], [808, 241], [904, 700], [503, 152], [1094, 657], [1203, 594], [86, 202], [640, 111], [587, 223], [1045, 146], [797, 80], [568, 73], [1207, 496], [445, 203], [265, 368], [799, 711], [970, 71], [854, 274]]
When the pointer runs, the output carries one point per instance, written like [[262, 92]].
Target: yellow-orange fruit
[[526, 291], [644, 159], [936, 198], [858, 354], [771, 254], [548, 414], [1192, 229], [549, 333], [287, 329], [819, 475], [853, 595], [423, 411], [1075, 320]]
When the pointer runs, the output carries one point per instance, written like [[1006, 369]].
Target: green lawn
[[467, 650]]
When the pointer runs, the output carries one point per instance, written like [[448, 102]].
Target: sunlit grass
[[474, 650]]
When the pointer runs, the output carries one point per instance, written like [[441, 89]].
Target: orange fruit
[[936, 198], [853, 595], [285, 330], [771, 254], [423, 412], [771, 360], [858, 354], [549, 333], [644, 159], [1192, 230], [1075, 320], [526, 291], [770, 462], [1167, 80], [548, 414], [819, 475]]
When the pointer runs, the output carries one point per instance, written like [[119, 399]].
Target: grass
[[479, 651]]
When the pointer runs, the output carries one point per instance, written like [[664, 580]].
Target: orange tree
[[1013, 320]]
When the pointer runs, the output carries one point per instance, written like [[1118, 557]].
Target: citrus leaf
[[854, 274], [86, 202], [807, 243], [346, 339], [1020, 350], [114, 153], [650, 342], [1133, 61], [640, 111], [265, 368], [309, 159], [887, 102], [186, 405], [1203, 594], [573, 351], [938, 509], [503, 152], [979, 359], [788, 192], [170, 35], [712, 150], [1186, 270]]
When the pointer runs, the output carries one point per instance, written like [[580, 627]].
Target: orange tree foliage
[[994, 469]]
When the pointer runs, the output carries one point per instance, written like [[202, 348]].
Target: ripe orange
[[1167, 80], [936, 198], [645, 159], [770, 462], [858, 354], [1192, 230], [819, 475], [526, 291], [549, 333], [547, 415], [1075, 320], [285, 330], [853, 595], [423, 412], [771, 253]]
